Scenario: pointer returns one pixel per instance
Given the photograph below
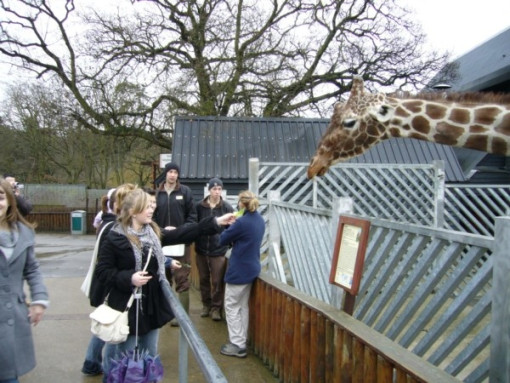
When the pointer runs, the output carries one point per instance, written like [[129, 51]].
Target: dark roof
[[206, 147], [486, 67]]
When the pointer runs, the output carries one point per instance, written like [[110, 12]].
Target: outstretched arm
[[190, 232]]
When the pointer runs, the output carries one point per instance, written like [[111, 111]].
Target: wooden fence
[[302, 339], [58, 222]]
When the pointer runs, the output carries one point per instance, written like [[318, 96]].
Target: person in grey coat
[[17, 264]]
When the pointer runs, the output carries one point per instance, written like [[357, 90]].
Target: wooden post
[[342, 205], [500, 326]]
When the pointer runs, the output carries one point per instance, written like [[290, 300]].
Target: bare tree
[[55, 147], [213, 57]]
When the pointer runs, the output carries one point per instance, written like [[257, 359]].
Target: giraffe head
[[355, 126]]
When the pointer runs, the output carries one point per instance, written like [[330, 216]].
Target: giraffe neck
[[484, 127]]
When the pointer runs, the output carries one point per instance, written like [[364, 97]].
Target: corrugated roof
[[485, 66], [206, 147]]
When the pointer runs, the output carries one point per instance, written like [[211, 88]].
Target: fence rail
[[427, 289], [472, 208], [302, 339], [409, 193], [59, 222]]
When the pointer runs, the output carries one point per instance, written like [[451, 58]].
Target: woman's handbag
[[110, 325]]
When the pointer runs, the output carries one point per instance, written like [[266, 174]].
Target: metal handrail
[[189, 336]]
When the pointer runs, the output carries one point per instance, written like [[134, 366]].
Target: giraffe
[[366, 119]]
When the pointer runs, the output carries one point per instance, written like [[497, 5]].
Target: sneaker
[[230, 349], [205, 312], [215, 315], [91, 369]]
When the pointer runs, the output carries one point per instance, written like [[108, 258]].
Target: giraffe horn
[[356, 88]]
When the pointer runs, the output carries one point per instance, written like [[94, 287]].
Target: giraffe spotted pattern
[[366, 119]]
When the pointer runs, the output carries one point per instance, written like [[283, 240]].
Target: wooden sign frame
[[349, 254]]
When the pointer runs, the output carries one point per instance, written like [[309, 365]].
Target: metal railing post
[[439, 185], [499, 370], [253, 180], [189, 336]]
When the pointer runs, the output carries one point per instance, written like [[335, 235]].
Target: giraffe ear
[[381, 112]]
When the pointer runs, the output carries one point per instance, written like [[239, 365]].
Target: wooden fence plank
[[370, 365], [330, 351], [296, 344], [266, 328], [288, 340], [317, 347], [346, 359], [319, 343], [358, 352], [305, 345], [384, 370], [278, 338]]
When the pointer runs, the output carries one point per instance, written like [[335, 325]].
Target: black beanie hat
[[214, 182], [170, 166]]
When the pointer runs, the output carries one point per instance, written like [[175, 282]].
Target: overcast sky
[[453, 25], [461, 25]]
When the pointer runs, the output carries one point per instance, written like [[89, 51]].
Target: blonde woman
[[121, 259], [245, 236], [93, 362], [120, 262], [17, 264]]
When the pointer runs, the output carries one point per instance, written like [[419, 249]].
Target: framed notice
[[349, 254]]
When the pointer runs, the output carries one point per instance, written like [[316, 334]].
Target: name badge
[[178, 197]]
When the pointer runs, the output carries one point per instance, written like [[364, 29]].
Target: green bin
[[79, 222]]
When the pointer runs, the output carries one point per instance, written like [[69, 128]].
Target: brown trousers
[[211, 271]]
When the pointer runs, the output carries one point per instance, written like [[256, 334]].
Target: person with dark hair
[[245, 236], [18, 264], [211, 261], [174, 208], [105, 203], [24, 206]]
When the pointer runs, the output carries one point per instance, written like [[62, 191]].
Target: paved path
[[62, 336]]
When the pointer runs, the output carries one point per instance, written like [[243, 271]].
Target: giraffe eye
[[384, 110], [348, 123]]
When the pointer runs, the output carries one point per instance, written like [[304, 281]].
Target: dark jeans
[[211, 271]]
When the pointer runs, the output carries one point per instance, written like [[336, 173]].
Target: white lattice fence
[[406, 193], [427, 289], [472, 208]]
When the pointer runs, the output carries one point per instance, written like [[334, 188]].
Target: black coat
[[210, 244], [116, 265], [97, 290], [175, 209], [190, 232]]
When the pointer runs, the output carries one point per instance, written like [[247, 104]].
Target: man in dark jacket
[[175, 207], [211, 261]]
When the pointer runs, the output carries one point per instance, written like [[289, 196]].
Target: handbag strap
[[132, 297]]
